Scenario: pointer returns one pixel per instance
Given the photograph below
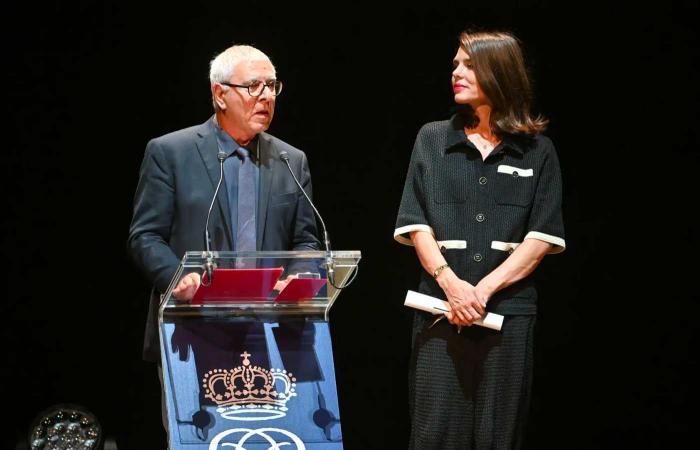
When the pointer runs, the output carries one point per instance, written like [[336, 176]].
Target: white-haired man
[[259, 205]]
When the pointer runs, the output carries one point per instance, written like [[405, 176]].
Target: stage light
[[67, 427]]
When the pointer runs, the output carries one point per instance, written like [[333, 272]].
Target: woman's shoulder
[[441, 126], [437, 125], [538, 142], [434, 136], [440, 132], [543, 140]]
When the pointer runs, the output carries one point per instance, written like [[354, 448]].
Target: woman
[[482, 206]]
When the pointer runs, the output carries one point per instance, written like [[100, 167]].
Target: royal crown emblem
[[249, 392]]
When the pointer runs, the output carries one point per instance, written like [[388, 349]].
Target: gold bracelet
[[436, 272]]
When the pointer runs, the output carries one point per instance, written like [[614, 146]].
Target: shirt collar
[[229, 145]]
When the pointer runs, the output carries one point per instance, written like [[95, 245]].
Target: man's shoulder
[[279, 146], [183, 136]]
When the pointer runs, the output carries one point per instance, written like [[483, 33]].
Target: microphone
[[209, 265], [284, 156]]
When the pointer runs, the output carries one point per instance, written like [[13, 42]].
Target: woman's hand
[[467, 302]]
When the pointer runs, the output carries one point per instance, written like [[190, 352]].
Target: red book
[[238, 285], [300, 289]]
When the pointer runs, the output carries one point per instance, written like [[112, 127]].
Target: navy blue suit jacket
[[177, 180]]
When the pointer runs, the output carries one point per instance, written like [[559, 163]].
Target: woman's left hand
[[464, 299]]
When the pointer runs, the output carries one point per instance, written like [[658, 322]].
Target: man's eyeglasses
[[256, 88]]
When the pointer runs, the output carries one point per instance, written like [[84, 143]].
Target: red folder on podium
[[300, 289], [242, 285]]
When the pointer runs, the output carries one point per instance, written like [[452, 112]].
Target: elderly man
[[259, 206]]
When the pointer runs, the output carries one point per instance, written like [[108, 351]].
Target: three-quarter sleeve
[[411, 216], [545, 222]]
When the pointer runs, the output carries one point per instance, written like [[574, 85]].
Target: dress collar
[[456, 137]]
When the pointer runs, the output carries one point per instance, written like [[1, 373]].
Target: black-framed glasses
[[256, 88]]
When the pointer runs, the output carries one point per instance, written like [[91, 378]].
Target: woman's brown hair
[[500, 71]]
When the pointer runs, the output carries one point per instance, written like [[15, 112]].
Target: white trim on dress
[[559, 243], [504, 246], [452, 244], [399, 232]]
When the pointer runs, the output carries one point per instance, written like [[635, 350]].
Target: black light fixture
[[67, 427]]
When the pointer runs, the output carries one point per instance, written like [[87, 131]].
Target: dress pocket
[[514, 186], [454, 252]]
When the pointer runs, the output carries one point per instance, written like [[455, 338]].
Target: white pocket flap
[[452, 244], [515, 171], [504, 246]]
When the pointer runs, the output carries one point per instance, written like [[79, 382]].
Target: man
[[259, 206]]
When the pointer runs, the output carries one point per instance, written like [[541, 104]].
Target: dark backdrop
[[86, 86]]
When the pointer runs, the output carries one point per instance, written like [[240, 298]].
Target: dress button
[[516, 174], [482, 180], [443, 249], [480, 217], [478, 257]]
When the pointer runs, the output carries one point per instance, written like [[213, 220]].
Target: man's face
[[245, 115]]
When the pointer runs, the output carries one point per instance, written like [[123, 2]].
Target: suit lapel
[[208, 150], [267, 161]]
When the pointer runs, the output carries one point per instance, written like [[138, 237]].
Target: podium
[[248, 362]]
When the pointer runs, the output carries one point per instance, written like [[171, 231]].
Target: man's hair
[[500, 71], [222, 66]]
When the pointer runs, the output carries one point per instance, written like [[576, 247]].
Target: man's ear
[[217, 92]]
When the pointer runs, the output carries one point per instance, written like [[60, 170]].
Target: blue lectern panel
[[248, 384]]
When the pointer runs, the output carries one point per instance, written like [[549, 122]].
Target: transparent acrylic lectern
[[248, 361]]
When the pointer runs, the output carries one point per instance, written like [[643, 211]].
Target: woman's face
[[464, 84]]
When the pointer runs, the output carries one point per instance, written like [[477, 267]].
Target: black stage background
[[87, 86]]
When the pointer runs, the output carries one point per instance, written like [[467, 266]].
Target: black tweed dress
[[471, 390]]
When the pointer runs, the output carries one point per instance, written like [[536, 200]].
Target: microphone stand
[[284, 156], [209, 265]]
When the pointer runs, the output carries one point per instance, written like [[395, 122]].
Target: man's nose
[[268, 93]]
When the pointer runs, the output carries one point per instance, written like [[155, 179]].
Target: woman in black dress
[[482, 206]]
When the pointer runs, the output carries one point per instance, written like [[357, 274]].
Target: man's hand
[[281, 284], [187, 286]]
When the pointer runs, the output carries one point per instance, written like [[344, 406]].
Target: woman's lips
[[458, 88]]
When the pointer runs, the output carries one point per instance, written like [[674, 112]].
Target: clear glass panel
[[257, 284]]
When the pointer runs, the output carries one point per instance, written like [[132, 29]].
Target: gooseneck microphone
[[326, 240], [284, 156], [209, 265]]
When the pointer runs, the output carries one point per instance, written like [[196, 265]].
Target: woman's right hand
[[465, 304]]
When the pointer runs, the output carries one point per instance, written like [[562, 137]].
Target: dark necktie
[[246, 234]]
